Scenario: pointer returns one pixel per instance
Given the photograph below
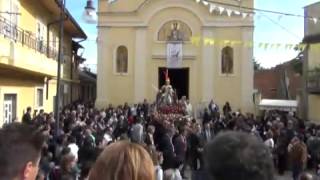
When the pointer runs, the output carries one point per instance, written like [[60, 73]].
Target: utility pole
[[60, 58]]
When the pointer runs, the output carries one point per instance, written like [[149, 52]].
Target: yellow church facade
[[133, 39]]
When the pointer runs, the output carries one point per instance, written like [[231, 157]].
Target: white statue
[[167, 93]]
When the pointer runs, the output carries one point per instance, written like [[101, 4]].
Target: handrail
[[26, 38]]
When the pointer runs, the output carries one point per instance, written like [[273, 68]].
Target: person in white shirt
[[134, 110], [113, 120], [157, 159], [108, 135], [73, 147], [172, 174], [137, 132], [269, 142]]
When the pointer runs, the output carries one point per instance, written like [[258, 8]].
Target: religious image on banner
[[174, 55]]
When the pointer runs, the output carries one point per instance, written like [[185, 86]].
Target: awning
[[275, 104]]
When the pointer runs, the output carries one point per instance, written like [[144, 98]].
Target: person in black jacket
[[165, 145], [206, 116], [196, 143], [27, 116]]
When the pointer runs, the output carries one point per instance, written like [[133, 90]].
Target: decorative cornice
[[125, 12]]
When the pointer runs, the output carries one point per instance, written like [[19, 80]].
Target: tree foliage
[[257, 66]]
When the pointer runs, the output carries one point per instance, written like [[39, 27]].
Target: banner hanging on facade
[[174, 55]]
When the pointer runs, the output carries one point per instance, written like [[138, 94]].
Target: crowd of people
[[141, 142]]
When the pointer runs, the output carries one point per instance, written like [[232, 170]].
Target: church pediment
[[145, 10]]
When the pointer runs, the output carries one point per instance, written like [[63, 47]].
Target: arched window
[[227, 60], [122, 60], [180, 27]]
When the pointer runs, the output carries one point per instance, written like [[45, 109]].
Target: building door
[[179, 79], [9, 108]]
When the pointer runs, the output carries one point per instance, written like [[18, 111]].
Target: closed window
[[39, 99], [122, 60], [227, 60]]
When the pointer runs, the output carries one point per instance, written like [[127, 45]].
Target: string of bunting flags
[[244, 12], [198, 41]]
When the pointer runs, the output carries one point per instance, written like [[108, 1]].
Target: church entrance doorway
[[179, 79]]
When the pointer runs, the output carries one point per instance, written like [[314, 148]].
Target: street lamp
[[90, 15]]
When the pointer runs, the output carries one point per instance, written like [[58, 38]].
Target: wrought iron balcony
[[26, 38], [314, 82]]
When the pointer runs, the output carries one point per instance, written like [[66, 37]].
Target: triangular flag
[[244, 15], [261, 45], [212, 7], [301, 47], [205, 3], [272, 46], [212, 42], [221, 9], [248, 44], [289, 46], [195, 40], [226, 42], [278, 45], [237, 12], [229, 12], [315, 20], [206, 41]]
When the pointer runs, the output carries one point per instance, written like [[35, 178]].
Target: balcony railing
[[26, 38], [314, 82]]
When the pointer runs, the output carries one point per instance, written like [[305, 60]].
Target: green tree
[[257, 66], [297, 65]]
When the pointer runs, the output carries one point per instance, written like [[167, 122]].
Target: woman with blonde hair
[[123, 161]]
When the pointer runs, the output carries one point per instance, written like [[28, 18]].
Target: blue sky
[[283, 29], [76, 8], [268, 28]]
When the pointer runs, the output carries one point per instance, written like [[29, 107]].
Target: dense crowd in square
[[142, 142]]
